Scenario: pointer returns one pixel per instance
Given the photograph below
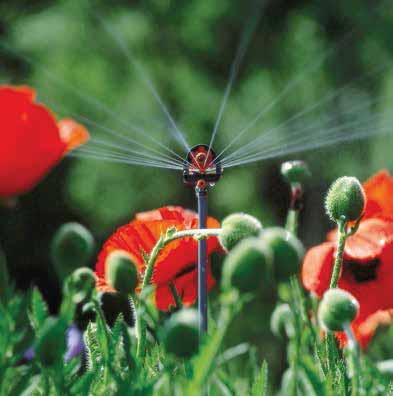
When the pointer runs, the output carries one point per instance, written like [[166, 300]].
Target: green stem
[[342, 236], [175, 294], [204, 362], [141, 332], [292, 221], [353, 350]]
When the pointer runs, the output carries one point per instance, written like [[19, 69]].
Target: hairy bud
[[287, 251], [246, 266], [236, 227], [337, 308], [295, 172], [345, 199], [180, 334], [72, 247], [121, 272]]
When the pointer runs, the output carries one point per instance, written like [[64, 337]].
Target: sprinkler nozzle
[[201, 168]]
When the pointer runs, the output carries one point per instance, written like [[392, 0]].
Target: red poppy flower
[[32, 142], [177, 261], [367, 270]]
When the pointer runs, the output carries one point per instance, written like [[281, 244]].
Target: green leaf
[[259, 387], [38, 310], [94, 356], [82, 386]]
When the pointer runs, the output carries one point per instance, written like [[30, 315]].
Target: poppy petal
[[367, 243], [317, 268], [30, 146], [379, 192], [72, 133], [186, 287], [175, 262]]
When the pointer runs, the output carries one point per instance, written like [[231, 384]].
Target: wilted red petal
[[317, 268]]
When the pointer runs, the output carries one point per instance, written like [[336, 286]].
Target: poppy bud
[[180, 334], [246, 266], [72, 247], [295, 172], [121, 272], [81, 284], [113, 304], [236, 227], [345, 198], [282, 321], [51, 342], [337, 308], [287, 250]]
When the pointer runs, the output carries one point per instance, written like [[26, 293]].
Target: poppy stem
[[342, 237], [353, 350], [175, 294], [295, 206]]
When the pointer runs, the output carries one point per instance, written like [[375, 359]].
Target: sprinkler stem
[[201, 193]]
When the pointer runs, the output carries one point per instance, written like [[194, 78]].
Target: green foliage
[[38, 310], [259, 386], [111, 364]]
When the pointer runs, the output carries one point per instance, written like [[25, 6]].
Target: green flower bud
[[337, 308], [121, 272], [246, 266], [345, 198], [295, 172], [72, 247], [287, 251], [236, 227], [180, 334], [282, 321], [51, 343], [113, 304], [81, 284]]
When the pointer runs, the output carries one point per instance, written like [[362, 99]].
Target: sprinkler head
[[200, 168]]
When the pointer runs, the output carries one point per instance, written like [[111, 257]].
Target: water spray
[[201, 170]]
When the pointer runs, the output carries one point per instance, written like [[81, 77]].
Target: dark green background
[[187, 48]]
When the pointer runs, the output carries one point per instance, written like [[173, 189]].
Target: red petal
[[365, 331], [379, 192], [186, 287], [30, 144], [317, 268], [367, 243], [142, 235]]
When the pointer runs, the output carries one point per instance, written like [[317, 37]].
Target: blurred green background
[[186, 47]]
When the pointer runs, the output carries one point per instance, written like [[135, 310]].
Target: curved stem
[[342, 236], [292, 221]]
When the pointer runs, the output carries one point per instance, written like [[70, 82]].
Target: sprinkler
[[201, 170]]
